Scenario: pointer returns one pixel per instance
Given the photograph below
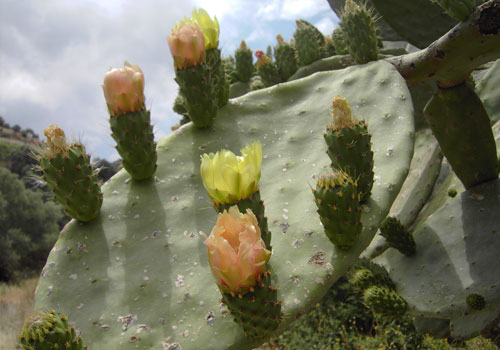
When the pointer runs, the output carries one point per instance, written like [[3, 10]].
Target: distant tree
[[22, 162], [28, 228], [2, 121], [16, 128], [24, 133]]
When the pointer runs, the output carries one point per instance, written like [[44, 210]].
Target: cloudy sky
[[54, 54]]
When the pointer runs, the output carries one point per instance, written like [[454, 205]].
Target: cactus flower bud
[[124, 90], [56, 140], [236, 252], [187, 44], [341, 114], [209, 27], [262, 58], [229, 178]]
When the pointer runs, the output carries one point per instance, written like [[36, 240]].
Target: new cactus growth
[[130, 121], [349, 146], [384, 301], [192, 73], [307, 44], [476, 301], [338, 42], [267, 69], [398, 236], [284, 55], [360, 33], [337, 198], [67, 171], [49, 331], [238, 258], [244, 62]]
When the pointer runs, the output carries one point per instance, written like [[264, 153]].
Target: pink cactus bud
[[187, 45], [259, 53], [236, 253], [124, 90]]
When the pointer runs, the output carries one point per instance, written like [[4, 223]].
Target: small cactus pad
[[398, 236], [284, 55], [458, 9], [244, 62], [258, 313], [337, 199], [200, 94], [49, 331], [349, 146], [73, 181], [476, 301], [308, 47], [138, 275], [218, 76], [384, 301], [134, 138]]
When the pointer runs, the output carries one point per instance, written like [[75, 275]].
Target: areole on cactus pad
[[137, 277]]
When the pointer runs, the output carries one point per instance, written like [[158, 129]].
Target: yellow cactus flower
[[56, 140], [124, 90], [229, 178], [209, 27], [236, 253], [187, 44]]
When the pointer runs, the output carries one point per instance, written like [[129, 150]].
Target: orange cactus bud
[[124, 90], [237, 255], [56, 140], [187, 44]]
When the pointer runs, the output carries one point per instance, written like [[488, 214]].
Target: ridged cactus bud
[[476, 301], [244, 62], [231, 179], [284, 55], [187, 44], [124, 90], [48, 331], [337, 199], [237, 255], [398, 236], [209, 27], [349, 145], [363, 278], [130, 121], [360, 33], [267, 69], [67, 170], [368, 274], [339, 42], [459, 9], [384, 301]]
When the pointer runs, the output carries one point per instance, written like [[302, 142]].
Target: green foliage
[[28, 228]]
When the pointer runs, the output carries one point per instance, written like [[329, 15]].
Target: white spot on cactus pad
[[296, 301], [297, 243], [389, 151], [319, 280], [317, 259], [127, 321], [73, 276], [173, 346], [210, 318], [180, 281], [115, 193]]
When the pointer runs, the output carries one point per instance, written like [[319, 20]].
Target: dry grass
[[16, 305]]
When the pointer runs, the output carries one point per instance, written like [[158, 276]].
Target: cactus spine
[[48, 331], [244, 62], [337, 199], [67, 170], [349, 146], [360, 34]]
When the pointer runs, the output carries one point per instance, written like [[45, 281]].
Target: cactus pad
[[137, 277]]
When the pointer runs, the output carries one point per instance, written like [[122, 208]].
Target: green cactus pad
[[138, 276], [258, 313], [417, 188], [420, 22], [384, 301], [284, 55], [244, 63], [457, 256], [218, 76], [474, 324], [134, 138], [339, 42], [200, 95], [458, 9], [322, 65], [307, 46], [337, 198], [398, 236], [360, 35], [269, 74], [462, 127], [74, 182], [48, 331], [349, 149], [488, 92]]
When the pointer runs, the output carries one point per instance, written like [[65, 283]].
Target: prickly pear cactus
[[137, 277]]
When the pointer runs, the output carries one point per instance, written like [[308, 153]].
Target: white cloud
[[290, 9], [326, 25]]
